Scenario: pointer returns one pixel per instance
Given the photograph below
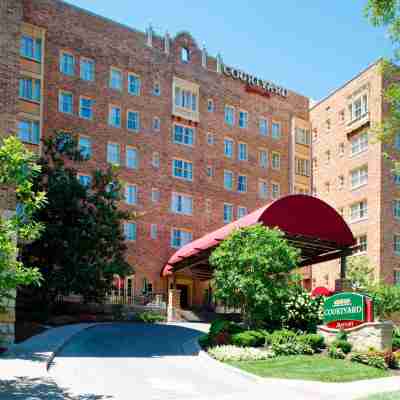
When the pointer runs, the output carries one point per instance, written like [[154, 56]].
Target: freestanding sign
[[345, 310]]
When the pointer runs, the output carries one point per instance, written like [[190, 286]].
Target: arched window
[[185, 54]]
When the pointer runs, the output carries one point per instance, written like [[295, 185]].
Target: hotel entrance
[[184, 295]]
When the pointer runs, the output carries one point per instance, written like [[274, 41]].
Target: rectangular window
[[210, 106], [242, 153], [181, 204], [396, 208], [276, 160], [114, 118], [67, 64], [263, 189], [362, 244], [263, 126], [156, 124], [275, 190], [228, 213], [243, 119], [131, 194], [303, 136], [276, 130], [130, 231], [153, 231], [116, 79], [302, 167], [29, 89], [242, 184], [228, 148], [358, 108], [133, 121], [228, 180], [85, 147], [155, 195], [28, 131], [180, 238], [359, 177], [210, 171], [132, 161], [359, 144], [263, 158], [210, 139], [185, 99], [182, 169], [87, 69], [133, 85], [65, 102], [86, 108], [229, 115], [31, 48], [359, 211], [113, 153], [155, 160], [242, 211], [183, 135], [396, 244], [85, 180], [156, 89]]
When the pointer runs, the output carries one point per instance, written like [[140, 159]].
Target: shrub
[[248, 339], [343, 345], [233, 353], [282, 337], [291, 348], [396, 344], [372, 359], [336, 352], [205, 341], [150, 317], [314, 340], [221, 330]]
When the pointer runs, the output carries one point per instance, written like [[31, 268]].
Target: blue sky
[[310, 46]]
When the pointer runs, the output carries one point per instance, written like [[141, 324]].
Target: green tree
[[252, 271], [386, 299], [83, 245], [18, 170], [359, 272]]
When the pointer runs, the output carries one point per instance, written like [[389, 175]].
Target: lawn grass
[[312, 368], [383, 396]]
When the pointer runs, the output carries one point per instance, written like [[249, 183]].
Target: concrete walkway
[[123, 361]]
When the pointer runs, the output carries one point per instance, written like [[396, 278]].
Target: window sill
[[355, 155], [354, 221], [352, 189], [31, 59], [33, 101]]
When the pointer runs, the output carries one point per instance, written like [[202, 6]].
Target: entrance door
[[184, 295]]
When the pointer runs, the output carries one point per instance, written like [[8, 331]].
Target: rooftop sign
[[255, 84]]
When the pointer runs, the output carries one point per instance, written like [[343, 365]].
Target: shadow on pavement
[[23, 388]]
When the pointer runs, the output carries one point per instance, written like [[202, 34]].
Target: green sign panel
[[344, 307]]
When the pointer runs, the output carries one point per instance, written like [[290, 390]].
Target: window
[[303, 136], [65, 102], [114, 118], [156, 124], [210, 105], [156, 89], [210, 171], [185, 99], [31, 48], [29, 89], [359, 143], [242, 211], [87, 69], [229, 115], [113, 156], [133, 85], [358, 108], [228, 148], [85, 147], [132, 159], [276, 160], [396, 244], [133, 121], [275, 190], [276, 130], [85, 108], [359, 211], [263, 158], [359, 177], [242, 153], [242, 184], [28, 131], [116, 79], [263, 126], [85, 180], [210, 138], [396, 277], [228, 180], [228, 213], [183, 135], [243, 119], [362, 244], [263, 189], [185, 54], [131, 194], [396, 208], [155, 160], [130, 231], [180, 238], [341, 149], [67, 64], [181, 204], [182, 169], [155, 195], [302, 167], [153, 231]]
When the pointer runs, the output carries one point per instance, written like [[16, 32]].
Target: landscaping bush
[[234, 353], [343, 345], [336, 352], [291, 348], [372, 359], [150, 317], [282, 337], [205, 341], [396, 339], [221, 330], [248, 339], [314, 340]]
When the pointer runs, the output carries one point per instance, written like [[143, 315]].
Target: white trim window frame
[[243, 119], [29, 89], [276, 160], [131, 194], [134, 84], [228, 180], [359, 144], [359, 211], [67, 63], [31, 48], [359, 177], [182, 169], [113, 153], [276, 130], [64, 106], [130, 231], [114, 116], [133, 120], [181, 204], [229, 115], [87, 69], [86, 107], [85, 146], [132, 157], [242, 183], [228, 147], [180, 237], [116, 79], [29, 131], [184, 135], [228, 213], [243, 151]]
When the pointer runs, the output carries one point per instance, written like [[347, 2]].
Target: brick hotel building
[[199, 143]]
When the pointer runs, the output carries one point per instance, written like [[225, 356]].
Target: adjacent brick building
[[199, 143]]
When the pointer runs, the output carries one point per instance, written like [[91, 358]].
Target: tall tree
[[18, 169], [83, 244]]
